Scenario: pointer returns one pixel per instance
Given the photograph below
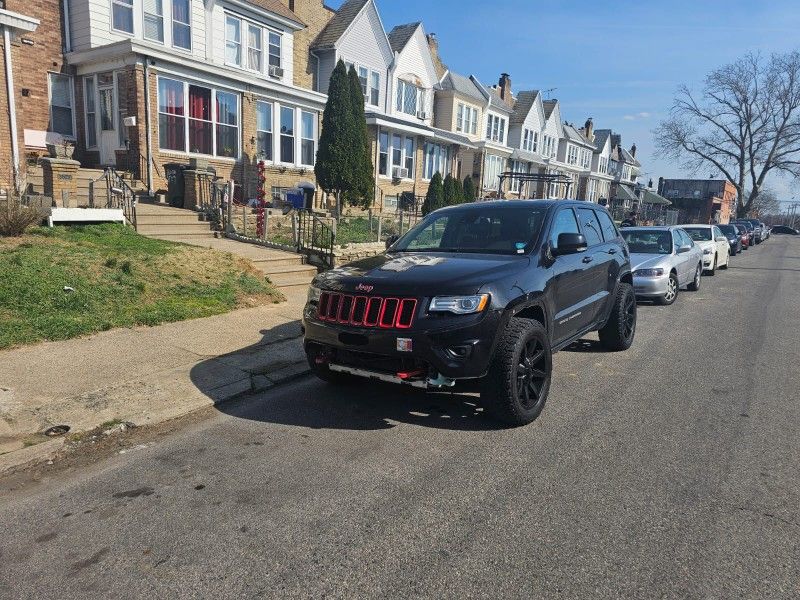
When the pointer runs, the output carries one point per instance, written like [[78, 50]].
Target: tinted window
[[590, 226], [488, 230], [728, 229], [717, 232], [609, 230], [676, 239], [685, 239], [648, 241], [565, 222]]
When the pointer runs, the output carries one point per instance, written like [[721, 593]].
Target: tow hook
[[441, 381]]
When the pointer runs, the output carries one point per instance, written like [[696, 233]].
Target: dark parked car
[[758, 229], [744, 235], [734, 238], [751, 230], [485, 292], [784, 230]]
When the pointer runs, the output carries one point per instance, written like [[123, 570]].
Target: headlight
[[649, 273], [708, 251], [313, 294], [459, 305]]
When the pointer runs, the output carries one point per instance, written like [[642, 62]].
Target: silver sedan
[[663, 259]]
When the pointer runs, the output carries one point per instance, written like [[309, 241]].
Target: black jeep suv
[[484, 291]]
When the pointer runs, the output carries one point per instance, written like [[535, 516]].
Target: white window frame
[[496, 129], [436, 159], [145, 14], [246, 45], [132, 7], [232, 17], [295, 134], [491, 164], [86, 113], [50, 75], [312, 139], [187, 24], [401, 95], [187, 152], [374, 88], [461, 110], [270, 131], [390, 154], [270, 32]]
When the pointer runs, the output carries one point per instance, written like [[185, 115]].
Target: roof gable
[[462, 85], [526, 102], [401, 35], [340, 23], [415, 52]]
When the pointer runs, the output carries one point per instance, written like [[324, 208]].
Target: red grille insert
[[367, 311]]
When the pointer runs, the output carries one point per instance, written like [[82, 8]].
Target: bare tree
[[766, 203], [745, 123]]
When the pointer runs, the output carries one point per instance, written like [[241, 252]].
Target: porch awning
[[627, 194], [530, 157], [649, 197]]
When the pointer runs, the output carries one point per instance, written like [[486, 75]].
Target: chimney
[[616, 140], [505, 89], [433, 44], [291, 5], [633, 151], [588, 129], [661, 186]]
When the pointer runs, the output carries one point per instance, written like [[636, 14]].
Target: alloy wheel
[[698, 275], [672, 290], [532, 374], [629, 319]]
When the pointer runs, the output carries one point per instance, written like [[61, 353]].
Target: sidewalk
[[144, 375]]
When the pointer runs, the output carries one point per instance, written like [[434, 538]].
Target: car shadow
[[304, 401], [585, 346]]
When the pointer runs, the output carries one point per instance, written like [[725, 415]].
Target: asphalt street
[[668, 471]]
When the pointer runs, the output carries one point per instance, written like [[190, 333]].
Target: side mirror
[[570, 243], [684, 249], [391, 240], [722, 238]]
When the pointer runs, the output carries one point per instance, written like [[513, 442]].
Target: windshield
[[728, 229], [500, 230], [699, 234], [648, 242]]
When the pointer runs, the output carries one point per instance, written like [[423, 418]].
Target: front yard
[[61, 283]]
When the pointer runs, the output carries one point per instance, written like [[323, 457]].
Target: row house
[[625, 169], [596, 187], [148, 83], [399, 73]]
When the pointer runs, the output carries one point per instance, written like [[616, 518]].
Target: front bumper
[[650, 286], [708, 261], [431, 347]]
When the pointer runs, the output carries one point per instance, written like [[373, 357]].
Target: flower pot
[[61, 150]]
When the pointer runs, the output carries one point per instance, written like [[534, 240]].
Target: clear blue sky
[[618, 61]]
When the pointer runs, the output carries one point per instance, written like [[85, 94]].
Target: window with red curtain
[[171, 115], [201, 139]]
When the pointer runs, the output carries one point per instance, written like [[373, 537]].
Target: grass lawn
[[120, 279]]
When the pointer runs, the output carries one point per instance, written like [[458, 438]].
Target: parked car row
[[480, 296], [667, 259]]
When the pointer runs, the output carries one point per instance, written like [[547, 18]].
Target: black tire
[[321, 370], [672, 292], [713, 270], [698, 276], [617, 335], [515, 389]]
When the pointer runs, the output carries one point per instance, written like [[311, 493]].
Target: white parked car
[[715, 246]]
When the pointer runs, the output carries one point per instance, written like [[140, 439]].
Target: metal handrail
[[118, 194], [315, 237]]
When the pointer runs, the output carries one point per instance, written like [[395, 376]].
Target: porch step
[[295, 282], [290, 272], [276, 262], [177, 220], [161, 230]]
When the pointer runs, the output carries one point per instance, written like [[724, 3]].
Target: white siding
[[415, 64], [365, 45], [327, 62], [218, 37], [80, 25]]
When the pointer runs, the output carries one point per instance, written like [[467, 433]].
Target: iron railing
[[110, 190], [315, 238]]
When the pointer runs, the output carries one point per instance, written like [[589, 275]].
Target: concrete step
[[289, 270], [194, 239], [272, 262], [176, 220], [172, 230], [147, 208], [291, 279]]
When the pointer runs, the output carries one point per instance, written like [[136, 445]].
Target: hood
[[421, 274], [649, 261]]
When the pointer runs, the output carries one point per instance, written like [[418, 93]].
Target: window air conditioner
[[399, 173], [276, 72]]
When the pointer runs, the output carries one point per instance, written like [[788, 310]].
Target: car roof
[[518, 203], [651, 228], [698, 225]]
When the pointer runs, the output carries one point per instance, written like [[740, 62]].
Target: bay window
[[264, 130], [210, 126], [154, 20], [307, 143], [181, 24], [233, 41], [287, 135], [61, 102], [494, 167], [467, 119], [395, 151], [437, 160], [122, 15], [201, 126], [91, 111]]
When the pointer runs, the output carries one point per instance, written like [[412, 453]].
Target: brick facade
[[34, 55], [316, 15]]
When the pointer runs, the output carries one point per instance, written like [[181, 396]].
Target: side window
[[590, 226], [685, 239], [564, 222], [717, 233], [609, 229], [677, 241]]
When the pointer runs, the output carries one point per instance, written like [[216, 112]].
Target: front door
[[109, 138]]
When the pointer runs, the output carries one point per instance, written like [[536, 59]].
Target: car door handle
[[612, 251], [587, 259]]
